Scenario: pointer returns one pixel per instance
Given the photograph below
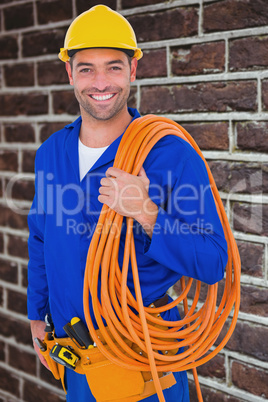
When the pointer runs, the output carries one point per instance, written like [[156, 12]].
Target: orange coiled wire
[[198, 331]]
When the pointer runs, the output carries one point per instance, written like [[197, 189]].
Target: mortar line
[[35, 16], [33, 379], [20, 55], [227, 370], [226, 55], [74, 9], [259, 94], [168, 62], [200, 19], [266, 262], [231, 135], [119, 6]]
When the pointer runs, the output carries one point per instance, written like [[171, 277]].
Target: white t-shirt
[[87, 157]]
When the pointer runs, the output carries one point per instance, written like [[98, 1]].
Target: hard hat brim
[[65, 54]]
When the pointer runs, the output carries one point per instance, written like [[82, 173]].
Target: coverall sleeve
[[188, 236], [37, 293]]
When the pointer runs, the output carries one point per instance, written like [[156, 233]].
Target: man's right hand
[[38, 331]]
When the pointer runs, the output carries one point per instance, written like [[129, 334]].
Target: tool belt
[[107, 381]]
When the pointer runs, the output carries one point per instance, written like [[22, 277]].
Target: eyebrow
[[118, 61]]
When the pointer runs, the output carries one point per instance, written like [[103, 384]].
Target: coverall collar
[[72, 145]]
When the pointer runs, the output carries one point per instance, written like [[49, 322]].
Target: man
[[176, 225]]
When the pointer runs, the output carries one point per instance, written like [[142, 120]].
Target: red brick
[[254, 300], [241, 373], [209, 135], [1, 243], [22, 190], [52, 11], [49, 128], [132, 99], [46, 375], [176, 23], [210, 395], [252, 136], [9, 382], [8, 160], [84, 5], [28, 104], [9, 271], [17, 302], [19, 75], [215, 368], [248, 53], [1, 296], [157, 100], [9, 1], [205, 58], [21, 360], [52, 73], [33, 392], [28, 158], [19, 133], [240, 177], [251, 218], [12, 218], [249, 339], [19, 16], [265, 94], [212, 97], [252, 258], [234, 14], [9, 47], [43, 42], [2, 351], [16, 329], [24, 276], [137, 3], [17, 246], [153, 64], [65, 102]]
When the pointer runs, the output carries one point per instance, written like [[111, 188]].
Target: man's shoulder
[[172, 146], [58, 138]]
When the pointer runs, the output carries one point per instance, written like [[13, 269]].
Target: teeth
[[102, 97]]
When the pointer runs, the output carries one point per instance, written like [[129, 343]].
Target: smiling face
[[101, 80]]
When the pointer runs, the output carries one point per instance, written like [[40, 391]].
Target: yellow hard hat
[[100, 26]]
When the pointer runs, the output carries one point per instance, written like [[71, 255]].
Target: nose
[[101, 81]]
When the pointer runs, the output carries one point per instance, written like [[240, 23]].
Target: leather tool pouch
[[107, 381]]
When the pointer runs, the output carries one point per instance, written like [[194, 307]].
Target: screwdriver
[[72, 334], [40, 344], [82, 333], [49, 326]]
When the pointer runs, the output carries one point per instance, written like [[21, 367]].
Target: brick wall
[[205, 65]]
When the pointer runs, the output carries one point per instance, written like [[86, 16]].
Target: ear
[[134, 65], [69, 72]]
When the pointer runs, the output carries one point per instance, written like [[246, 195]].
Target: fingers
[[107, 182], [142, 172], [114, 172], [41, 357], [43, 361]]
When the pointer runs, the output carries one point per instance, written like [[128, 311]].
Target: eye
[[85, 70], [116, 68]]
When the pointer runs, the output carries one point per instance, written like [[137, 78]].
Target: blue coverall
[[188, 238]]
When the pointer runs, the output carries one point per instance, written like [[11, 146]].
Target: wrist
[[148, 217]]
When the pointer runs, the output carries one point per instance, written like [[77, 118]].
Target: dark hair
[[128, 52]]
